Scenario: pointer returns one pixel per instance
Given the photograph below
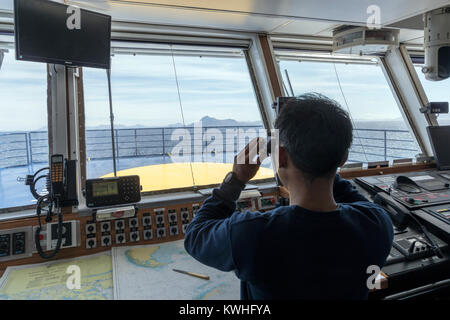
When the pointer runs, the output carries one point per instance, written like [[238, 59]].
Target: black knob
[[106, 240], [133, 222], [91, 243], [174, 230], [134, 236], [159, 219], [161, 232], [148, 234], [105, 226], [91, 228], [120, 238], [185, 215], [147, 221], [120, 224], [172, 217]]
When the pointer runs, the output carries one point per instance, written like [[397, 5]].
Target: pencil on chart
[[197, 275]]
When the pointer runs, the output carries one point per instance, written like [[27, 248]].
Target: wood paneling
[[82, 250]]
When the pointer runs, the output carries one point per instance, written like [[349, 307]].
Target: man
[[318, 247]]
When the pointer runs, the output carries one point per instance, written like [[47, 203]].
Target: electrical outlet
[[91, 243], [91, 228], [133, 222], [172, 216], [160, 232], [148, 234], [106, 241], [119, 224], [173, 230], [134, 236], [120, 238], [146, 220], [105, 227]]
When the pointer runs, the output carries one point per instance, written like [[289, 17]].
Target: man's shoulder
[[256, 217], [366, 210]]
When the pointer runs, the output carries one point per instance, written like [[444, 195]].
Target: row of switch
[[133, 224]]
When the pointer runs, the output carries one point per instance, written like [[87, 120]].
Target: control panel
[[106, 228], [247, 204], [16, 243], [414, 190], [153, 225], [148, 225], [412, 245], [267, 203]]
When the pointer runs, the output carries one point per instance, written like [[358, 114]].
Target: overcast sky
[[145, 91]]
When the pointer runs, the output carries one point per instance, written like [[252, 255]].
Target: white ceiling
[[302, 17]]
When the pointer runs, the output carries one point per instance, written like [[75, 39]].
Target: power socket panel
[[16, 243]]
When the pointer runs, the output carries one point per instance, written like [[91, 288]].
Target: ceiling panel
[[306, 27], [194, 18], [353, 11], [310, 17]]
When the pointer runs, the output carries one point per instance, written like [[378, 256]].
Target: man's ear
[[282, 157], [344, 160]]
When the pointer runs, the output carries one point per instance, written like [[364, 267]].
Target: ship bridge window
[[380, 133], [179, 119], [436, 91], [23, 127]]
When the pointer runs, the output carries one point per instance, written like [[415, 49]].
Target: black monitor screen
[[440, 141], [42, 34]]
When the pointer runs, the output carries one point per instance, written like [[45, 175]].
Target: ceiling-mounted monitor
[[50, 32]]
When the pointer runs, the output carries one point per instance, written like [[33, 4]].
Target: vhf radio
[[112, 191], [63, 180], [61, 187]]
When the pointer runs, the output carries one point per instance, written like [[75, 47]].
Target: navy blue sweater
[[291, 252]]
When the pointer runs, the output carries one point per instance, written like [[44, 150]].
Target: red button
[[41, 237]]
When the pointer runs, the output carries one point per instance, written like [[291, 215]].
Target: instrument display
[[104, 189], [106, 192]]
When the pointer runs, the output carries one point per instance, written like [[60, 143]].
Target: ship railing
[[26, 148]]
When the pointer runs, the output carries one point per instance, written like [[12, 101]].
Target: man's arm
[[345, 192], [208, 235]]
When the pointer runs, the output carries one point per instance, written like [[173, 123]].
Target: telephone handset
[[57, 178], [399, 214], [63, 180], [402, 218]]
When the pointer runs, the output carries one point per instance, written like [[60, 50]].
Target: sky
[[145, 91], [364, 86]]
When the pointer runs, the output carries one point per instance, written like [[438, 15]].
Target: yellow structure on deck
[[179, 175]]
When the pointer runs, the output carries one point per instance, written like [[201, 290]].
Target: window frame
[[161, 48], [326, 56]]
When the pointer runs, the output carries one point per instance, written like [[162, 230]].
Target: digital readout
[[104, 189]]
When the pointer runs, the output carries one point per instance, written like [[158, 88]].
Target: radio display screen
[[105, 189]]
